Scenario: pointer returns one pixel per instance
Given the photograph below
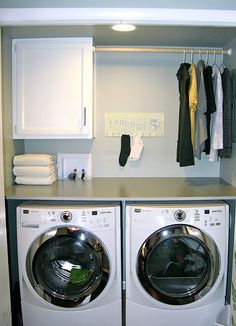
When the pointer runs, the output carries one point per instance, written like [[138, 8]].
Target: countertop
[[127, 189]]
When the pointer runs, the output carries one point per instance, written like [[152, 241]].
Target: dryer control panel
[[205, 215]]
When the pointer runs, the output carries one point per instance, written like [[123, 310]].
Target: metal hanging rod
[[163, 50]]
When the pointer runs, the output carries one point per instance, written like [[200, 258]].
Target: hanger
[[200, 54], [214, 62], [207, 57], [191, 56], [184, 58], [222, 66]]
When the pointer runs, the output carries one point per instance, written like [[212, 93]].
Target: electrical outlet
[[67, 163]]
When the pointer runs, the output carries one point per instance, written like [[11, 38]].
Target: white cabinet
[[52, 88]]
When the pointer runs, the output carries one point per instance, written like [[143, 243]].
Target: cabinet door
[[52, 88]]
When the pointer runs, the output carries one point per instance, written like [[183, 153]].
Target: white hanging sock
[[136, 148]]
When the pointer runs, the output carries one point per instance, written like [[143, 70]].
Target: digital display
[[207, 211], [94, 213]]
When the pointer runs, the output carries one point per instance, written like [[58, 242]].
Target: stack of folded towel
[[34, 169]]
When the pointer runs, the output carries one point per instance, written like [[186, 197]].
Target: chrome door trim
[[172, 232], [83, 238]]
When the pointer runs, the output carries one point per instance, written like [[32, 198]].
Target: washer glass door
[[178, 264], [68, 266]]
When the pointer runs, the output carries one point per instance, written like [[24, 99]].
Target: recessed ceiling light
[[123, 27]]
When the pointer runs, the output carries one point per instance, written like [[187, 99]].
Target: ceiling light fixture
[[123, 27]]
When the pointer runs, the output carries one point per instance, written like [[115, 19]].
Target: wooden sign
[[146, 124]]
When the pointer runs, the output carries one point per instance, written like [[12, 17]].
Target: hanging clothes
[[184, 144], [211, 105], [193, 100], [227, 114], [217, 117], [201, 123]]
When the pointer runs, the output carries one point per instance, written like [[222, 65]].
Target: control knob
[[180, 215], [66, 216]]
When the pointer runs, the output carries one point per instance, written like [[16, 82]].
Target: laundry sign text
[[146, 124]]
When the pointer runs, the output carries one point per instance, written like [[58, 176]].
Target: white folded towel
[[34, 159], [34, 171], [36, 180]]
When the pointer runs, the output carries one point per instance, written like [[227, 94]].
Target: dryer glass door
[[178, 264], [68, 266]]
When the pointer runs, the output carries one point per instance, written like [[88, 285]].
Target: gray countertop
[[127, 189]]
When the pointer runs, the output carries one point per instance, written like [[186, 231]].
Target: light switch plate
[[67, 163]]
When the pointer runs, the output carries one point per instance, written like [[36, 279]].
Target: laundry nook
[[118, 152]]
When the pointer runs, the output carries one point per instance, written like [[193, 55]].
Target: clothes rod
[[164, 50]]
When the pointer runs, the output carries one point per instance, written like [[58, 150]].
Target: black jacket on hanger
[[211, 105], [184, 145], [227, 114]]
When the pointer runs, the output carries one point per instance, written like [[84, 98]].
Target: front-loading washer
[[176, 263], [69, 260]]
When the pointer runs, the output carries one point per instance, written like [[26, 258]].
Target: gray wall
[[133, 83], [228, 166], [207, 4]]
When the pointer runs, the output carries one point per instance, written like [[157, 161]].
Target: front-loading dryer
[[69, 264], [176, 263]]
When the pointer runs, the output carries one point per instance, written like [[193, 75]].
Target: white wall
[[133, 83]]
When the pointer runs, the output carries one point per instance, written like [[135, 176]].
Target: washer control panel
[[92, 218]]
